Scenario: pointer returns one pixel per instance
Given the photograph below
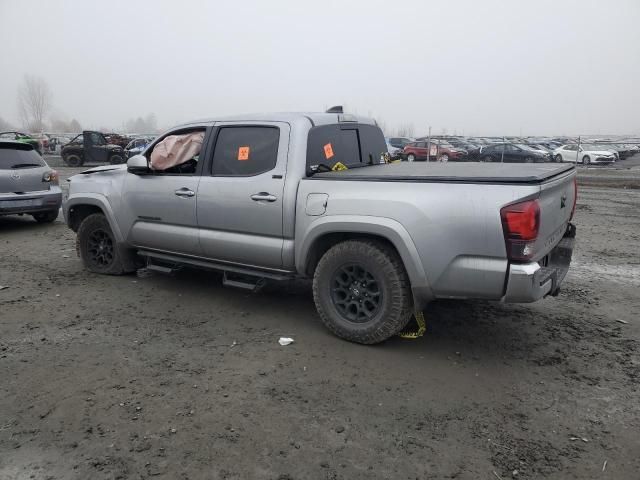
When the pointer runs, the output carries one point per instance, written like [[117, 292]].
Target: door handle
[[184, 192], [263, 197]]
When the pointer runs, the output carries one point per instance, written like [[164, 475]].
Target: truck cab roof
[[314, 118]]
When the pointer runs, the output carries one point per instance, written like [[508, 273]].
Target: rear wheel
[[411, 157], [46, 217], [73, 160], [487, 158], [97, 246], [528, 159], [362, 291], [586, 160]]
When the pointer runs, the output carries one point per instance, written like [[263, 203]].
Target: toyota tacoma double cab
[[282, 196]]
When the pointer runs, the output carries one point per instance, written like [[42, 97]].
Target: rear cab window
[[352, 145], [17, 156]]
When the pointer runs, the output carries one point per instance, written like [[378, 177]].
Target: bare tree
[[406, 130], [34, 102], [74, 126]]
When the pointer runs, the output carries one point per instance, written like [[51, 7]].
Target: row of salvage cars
[[516, 150]]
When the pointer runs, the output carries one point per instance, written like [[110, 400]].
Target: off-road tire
[[116, 159], [73, 160], [384, 264], [92, 227], [46, 217]]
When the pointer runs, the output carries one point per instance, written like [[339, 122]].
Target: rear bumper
[[528, 282], [31, 202]]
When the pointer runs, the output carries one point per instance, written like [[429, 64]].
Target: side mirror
[[138, 165]]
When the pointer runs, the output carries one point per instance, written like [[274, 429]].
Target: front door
[[240, 197], [95, 147], [161, 208]]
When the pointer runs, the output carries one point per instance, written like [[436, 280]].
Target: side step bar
[[234, 275]]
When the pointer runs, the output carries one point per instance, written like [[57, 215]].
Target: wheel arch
[[77, 209], [329, 231]]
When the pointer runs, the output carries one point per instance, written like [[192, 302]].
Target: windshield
[[11, 158]]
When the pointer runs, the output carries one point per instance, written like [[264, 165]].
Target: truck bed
[[463, 172]]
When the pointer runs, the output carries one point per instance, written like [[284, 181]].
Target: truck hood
[[103, 168]]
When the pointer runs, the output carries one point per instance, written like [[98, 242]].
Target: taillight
[[51, 177], [520, 224], [575, 196]]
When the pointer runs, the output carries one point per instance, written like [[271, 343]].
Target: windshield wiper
[[25, 165]]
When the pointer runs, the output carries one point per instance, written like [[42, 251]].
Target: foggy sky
[[472, 67]]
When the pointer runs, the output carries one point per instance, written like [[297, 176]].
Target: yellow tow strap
[[422, 327]]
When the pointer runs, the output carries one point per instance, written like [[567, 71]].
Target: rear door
[[240, 198]]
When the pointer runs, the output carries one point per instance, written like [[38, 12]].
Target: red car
[[440, 151]]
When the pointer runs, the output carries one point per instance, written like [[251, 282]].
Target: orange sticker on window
[[328, 151], [243, 153]]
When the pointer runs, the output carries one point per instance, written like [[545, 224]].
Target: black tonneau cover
[[462, 172]]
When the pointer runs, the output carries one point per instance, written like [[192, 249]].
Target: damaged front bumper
[[528, 282]]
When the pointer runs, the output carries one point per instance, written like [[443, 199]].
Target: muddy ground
[[177, 377]]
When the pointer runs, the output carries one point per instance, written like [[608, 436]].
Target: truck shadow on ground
[[20, 223], [487, 328]]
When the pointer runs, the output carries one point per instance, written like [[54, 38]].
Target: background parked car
[[513, 153], [22, 138], [91, 146], [440, 151], [136, 146], [584, 155], [399, 142], [23, 170]]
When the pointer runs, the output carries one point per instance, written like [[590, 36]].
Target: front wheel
[[116, 159], [528, 159], [487, 158], [97, 246], [411, 157], [444, 157], [362, 291], [558, 158], [73, 160]]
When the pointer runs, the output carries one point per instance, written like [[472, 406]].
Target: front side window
[[245, 151]]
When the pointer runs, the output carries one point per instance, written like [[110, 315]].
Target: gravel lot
[[177, 377]]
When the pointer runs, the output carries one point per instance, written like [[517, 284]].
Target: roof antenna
[[336, 109]]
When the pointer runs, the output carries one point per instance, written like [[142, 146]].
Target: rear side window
[[19, 158], [372, 144], [245, 151]]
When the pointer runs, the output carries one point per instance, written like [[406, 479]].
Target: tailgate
[[556, 202]]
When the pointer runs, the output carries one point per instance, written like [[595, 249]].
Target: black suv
[[91, 146]]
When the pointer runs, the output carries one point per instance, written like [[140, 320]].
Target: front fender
[[386, 228], [96, 200]]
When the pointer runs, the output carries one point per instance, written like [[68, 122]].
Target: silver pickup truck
[[285, 196]]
